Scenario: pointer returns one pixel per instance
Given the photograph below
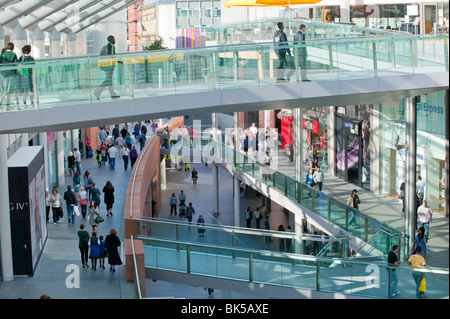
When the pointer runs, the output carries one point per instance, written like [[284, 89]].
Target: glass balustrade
[[73, 81], [349, 277], [245, 238]]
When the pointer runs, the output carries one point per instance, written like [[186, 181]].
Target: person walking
[[76, 179], [113, 153], [125, 152], [301, 51], [93, 212], [48, 205], [94, 253], [56, 202], [421, 241], [267, 227], [71, 164], [108, 190], [267, 160], [417, 260], [95, 194], [201, 222], [71, 201], [318, 178], [10, 77], [281, 48], [88, 182], [393, 260], [83, 245], [194, 176], [258, 216], [420, 188], [402, 195], [190, 211], [310, 181], [107, 67], [173, 204], [354, 202], [425, 215], [112, 242], [25, 79], [77, 155], [248, 214], [83, 200], [133, 155], [102, 252]]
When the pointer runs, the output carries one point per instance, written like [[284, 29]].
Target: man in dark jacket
[[281, 48], [107, 66], [300, 51], [71, 202]]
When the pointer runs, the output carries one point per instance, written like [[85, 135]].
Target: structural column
[[24, 139], [76, 140], [5, 221], [162, 172], [60, 157], [331, 122], [374, 144], [215, 189], [410, 220], [38, 43], [43, 142], [237, 202], [298, 227], [298, 139]]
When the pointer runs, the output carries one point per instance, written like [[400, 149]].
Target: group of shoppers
[[96, 247], [16, 82]]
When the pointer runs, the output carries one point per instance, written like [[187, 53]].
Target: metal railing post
[[318, 276], [250, 267], [330, 58], [375, 60], [188, 259]]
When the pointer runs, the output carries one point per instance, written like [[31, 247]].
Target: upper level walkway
[[166, 83]]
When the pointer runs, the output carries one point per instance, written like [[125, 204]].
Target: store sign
[[429, 109], [311, 125], [420, 155]]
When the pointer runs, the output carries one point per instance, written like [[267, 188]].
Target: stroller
[[182, 208]]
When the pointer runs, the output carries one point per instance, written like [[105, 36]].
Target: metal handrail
[[136, 272]]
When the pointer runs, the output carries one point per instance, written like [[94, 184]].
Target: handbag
[[99, 219], [61, 212], [83, 201], [76, 210], [423, 285]]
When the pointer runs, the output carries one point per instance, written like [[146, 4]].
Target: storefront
[[352, 144], [430, 147], [315, 137]]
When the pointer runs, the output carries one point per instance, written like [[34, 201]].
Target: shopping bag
[[423, 285], [76, 210]]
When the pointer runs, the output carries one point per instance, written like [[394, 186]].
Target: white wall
[[167, 24], [115, 25]]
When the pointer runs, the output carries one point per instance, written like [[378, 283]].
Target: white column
[[5, 221], [71, 42], [60, 157], [55, 44], [76, 140], [345, 11], [237, 202], [43, 142], [375, 152], [215, 189], [298, 227], [24, 139], [38, 43], [331, 122], [411, 158], [298, 139], [162, 173], [2, 36]]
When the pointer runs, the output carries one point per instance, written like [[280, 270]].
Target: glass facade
[[430, 147]]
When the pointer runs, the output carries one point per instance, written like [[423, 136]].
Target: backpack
[[104, 50], [247, 214], [86, 240]]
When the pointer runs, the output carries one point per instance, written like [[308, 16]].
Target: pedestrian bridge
[[229, 78]]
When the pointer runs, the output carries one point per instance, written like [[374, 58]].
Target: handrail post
[[366, 228], [285, 186], [346, 218], [318, 276], [188, 259], [330, 58], [389, 282], [250, 267], [35, 89], [177, 231], [233, 243], [393, 54], [375, 61]]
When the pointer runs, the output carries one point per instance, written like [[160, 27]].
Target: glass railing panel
[[291, 188], [233, 265]]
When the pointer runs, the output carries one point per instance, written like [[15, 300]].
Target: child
[[103, 252]]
